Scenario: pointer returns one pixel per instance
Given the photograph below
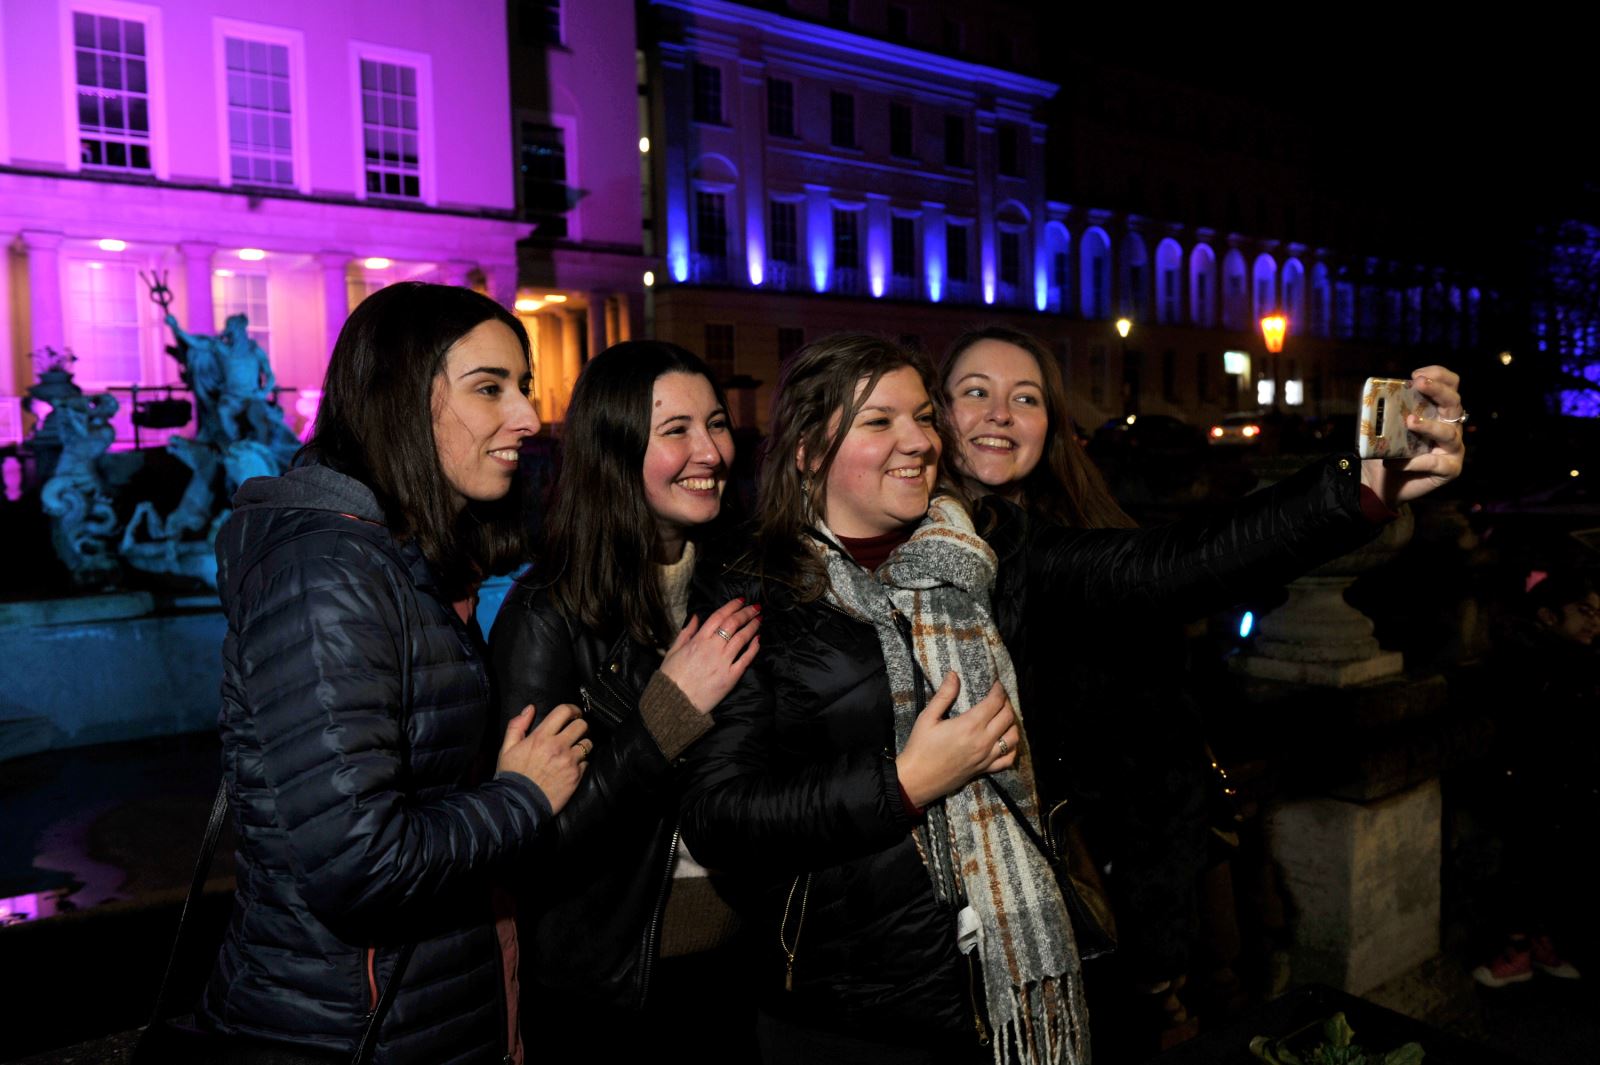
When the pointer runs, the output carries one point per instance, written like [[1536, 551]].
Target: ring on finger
[[1457, 421], [584, 745], [725, 634], [1005, 748]]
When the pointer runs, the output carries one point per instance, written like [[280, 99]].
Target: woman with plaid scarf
[[850, 791]]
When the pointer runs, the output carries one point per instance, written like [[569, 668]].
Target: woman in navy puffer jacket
[[370, 806]]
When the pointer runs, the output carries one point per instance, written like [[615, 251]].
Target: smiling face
[[481, 412], [997, 403], [887, 465], [687, 458]]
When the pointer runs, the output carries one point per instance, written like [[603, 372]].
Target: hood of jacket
[[311, 488]]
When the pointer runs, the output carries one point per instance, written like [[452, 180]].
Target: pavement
[[106, 838]]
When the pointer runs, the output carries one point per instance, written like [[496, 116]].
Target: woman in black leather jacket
[[356, 714], [829, 790], [608, 929], [1122, 742]]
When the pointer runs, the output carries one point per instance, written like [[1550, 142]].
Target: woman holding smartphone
[[904, 914]]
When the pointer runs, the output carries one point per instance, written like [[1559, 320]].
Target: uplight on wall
[[526, 305], [112, 244], [252, 255], [378, 262]]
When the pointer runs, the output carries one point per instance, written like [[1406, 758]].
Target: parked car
[[1242, 428], [1146, 433]]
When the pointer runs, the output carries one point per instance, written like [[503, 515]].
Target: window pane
[[88, 70], [82, 30], [133, 38], [235, 49], [136, 76], [111, 71], [138, 115]]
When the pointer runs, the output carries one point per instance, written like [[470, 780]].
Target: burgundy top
[[870, 552]]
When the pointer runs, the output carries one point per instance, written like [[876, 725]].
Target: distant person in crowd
[[372, 801], [619, 923], [1546, 801], [867, 836]]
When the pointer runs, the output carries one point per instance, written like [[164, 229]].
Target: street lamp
[[1130, 394], [1273, 328]]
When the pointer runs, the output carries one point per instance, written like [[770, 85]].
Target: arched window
[[1094, 273], [1203, 286], [1235, 291], [1135, 277], [1293, 303], [1169, 270], [1321, 302], [1264, 291]]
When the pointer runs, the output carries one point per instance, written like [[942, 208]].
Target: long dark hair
[[822, 380], [601, 537], [1065, 487], [375, 423]]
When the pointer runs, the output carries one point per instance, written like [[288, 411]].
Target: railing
[[709, 269], [785, 277]]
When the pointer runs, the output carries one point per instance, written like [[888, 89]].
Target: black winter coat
[[793, 795], [590, 917], [361, 826]]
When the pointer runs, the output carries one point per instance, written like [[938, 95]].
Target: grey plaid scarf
[[939, 581]]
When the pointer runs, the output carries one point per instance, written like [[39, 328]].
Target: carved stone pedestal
[[1364, 880], [1316, 637]]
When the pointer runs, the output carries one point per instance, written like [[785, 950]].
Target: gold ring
[[726, 635], [1005, 748], [584, 745]]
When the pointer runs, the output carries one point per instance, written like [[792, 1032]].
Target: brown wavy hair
[[820, 391], [1065, 487]]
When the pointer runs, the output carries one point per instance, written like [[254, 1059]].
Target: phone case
[[1385, 402]]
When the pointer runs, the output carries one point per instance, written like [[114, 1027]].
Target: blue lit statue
[[82, 520], [233, 386]]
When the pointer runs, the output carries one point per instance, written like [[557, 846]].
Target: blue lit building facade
[[860, 165]]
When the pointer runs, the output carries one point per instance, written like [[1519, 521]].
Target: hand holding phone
[[1386, 402]]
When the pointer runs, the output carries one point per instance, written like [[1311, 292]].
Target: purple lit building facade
[[282, 161]]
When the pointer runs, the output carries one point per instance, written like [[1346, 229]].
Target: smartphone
[[1382, 432]]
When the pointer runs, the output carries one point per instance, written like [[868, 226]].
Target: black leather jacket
[[589, 919], [794, 794]]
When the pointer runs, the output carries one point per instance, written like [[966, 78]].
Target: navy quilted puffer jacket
[[361, 826]]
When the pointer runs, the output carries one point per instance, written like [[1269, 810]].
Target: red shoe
[[1513, 966], [1547, 961]]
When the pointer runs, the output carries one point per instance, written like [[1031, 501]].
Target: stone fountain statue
[[82, 521]]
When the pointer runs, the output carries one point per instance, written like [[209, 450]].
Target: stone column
[[15, 374], [335, 295], [571, 355], [502, 282], [1364, 877], [876, 241], [625, 311], [46, 321], [819, 236], [457, 272], [200, 311], [599, 337]]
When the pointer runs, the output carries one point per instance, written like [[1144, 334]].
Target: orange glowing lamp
[[1273, 327]]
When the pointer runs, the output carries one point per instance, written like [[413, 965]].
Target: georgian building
[[280, 161], [862, 165]]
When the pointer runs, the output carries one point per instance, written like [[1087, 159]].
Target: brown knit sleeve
[[670, 717]]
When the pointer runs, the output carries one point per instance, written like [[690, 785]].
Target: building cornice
[[810, 36]]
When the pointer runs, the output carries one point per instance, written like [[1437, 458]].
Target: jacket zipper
[[652, 933], [791, 950], [972, 997]]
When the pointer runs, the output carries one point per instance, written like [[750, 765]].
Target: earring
[[805, 487]]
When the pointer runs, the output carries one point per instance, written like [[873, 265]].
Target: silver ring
[[1457, 421], [1005, 748], [726, 635]]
